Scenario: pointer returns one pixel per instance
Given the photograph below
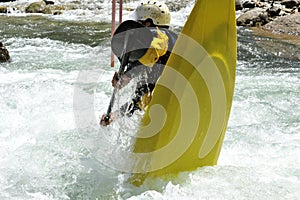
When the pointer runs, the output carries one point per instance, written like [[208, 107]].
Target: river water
[[54, 57]]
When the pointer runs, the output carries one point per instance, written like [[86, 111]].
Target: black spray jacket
[[149, 67]]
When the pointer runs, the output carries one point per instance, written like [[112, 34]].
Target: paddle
[[124, 61]]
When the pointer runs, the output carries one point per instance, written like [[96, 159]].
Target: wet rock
[[238, 5], [49, 2], [289, 24], [290, 3], [36, 7], [253, 17], [4, 55], [274, 11], [45, 7], [176, 5], [249, 4], [3, 9], [270, 14], [53, 9]]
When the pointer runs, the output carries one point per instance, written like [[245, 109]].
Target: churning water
[[42, 156]]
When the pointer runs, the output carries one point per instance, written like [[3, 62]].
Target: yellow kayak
[[185, 123]]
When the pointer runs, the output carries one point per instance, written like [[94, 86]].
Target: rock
[[238, 5], [290, 3], [254, 17], [3, 9], [176, 5], [47, 10], [53, 9], [4, 55], [289, 24], [36, 7], [49, 2], [274, 11], [45, 7], [252, 13], [249, 4]]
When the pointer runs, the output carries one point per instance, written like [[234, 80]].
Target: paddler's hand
[[114, 81], [107, 121], [119, 84]]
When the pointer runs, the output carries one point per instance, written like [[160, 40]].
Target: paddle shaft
[[124, 59]]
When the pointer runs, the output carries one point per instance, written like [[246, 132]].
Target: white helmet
[[155, 10]]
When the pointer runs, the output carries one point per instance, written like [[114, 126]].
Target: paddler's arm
[[115, 82], [134, 69]]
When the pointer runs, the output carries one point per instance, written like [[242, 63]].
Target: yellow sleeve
[[158, 48]]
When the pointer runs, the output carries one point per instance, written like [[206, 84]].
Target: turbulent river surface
[[54, 57]]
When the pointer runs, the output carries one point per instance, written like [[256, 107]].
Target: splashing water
[[42, 155]]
